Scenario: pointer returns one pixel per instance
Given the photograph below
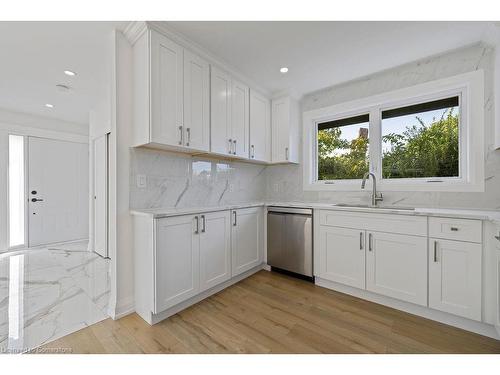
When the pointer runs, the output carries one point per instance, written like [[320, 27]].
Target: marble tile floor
[[49, 293]]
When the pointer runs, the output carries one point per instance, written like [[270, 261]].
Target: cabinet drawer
[[391, 223], [455, 229]]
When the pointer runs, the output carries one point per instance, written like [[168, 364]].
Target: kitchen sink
[[349, 205]]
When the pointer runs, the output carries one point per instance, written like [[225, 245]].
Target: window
[[343, 148], [428, 137], [421, 140], [16, 190]]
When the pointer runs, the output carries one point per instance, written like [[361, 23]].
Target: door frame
[[92, 216]]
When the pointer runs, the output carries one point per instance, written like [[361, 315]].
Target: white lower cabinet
[[215, 249], [396, 266], [247, 239], [455, 277], [340, 256], [177, 261]]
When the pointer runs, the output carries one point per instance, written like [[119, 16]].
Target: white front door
[[101, 195], [57, 191]]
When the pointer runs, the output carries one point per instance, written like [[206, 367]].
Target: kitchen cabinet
[[396, 266], [285, 130], [455, 277], [340, 255], [230, 115], [215, 248], [497, 307], [177, 261], [171, 95], [260, 127], [220, 104], [247, 239]]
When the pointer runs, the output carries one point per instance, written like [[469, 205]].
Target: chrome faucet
[[376, 197]]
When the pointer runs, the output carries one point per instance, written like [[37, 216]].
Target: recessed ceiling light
[[48, 105], [69, 73], [284, 70]]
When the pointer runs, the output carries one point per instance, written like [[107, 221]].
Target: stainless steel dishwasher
[[289, 240]]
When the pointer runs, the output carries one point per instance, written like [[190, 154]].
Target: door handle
[[36, 200], [234, 152], [188, 131], [435, 251], [197, 230], [370, 248], [181, 135], [360, 240], [203, 224], [234, 218]]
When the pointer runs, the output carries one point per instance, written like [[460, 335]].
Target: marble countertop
[[423, 211]]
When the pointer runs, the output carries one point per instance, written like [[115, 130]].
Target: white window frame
[[470, 89]]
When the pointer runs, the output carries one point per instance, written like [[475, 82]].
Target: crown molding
[[135, 29], [491, 35]]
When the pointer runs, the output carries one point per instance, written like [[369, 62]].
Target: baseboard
[[123, 308], [425, 312]]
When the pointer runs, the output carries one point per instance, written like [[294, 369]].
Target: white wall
[[28, 125], [285, 182]]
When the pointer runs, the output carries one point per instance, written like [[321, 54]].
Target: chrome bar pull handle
[[230, 146], [454, 229], [188, 131], [253, 152], [370, 246], [203, 223], [197, 227], [234, 218], [435, 251], [286, 153], [360, 240], [234, 142], [181, 138]]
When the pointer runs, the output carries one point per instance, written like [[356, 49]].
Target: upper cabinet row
[[183, 103]]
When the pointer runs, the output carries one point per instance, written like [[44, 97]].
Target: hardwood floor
[[273, 313]]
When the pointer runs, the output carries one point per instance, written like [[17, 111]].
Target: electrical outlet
[[231, 188], [141, 181]]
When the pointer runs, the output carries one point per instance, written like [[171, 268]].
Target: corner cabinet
[[171, 95], [285, 130], [180, 260]]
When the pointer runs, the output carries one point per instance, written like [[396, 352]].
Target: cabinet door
[[176, 261], [240, 119], [260, 127], [220, 104], [396, 266], [215, 249], [196, 102], [341, 256], [247, 238], [166, 90], [281, 129], [455, 277]]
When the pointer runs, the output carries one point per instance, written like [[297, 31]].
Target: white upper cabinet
[[220, 104], [285, 130], [240, 119], [260, 127], [396, 266], [196, 102], [247, 239], [166, 90], [455, 277], [171, 95]]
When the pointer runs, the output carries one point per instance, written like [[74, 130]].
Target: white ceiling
[[33, 56], [320, 54]]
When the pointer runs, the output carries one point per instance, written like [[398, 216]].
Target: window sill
[[382, 186]]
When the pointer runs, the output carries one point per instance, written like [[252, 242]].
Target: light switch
[[141, 181]]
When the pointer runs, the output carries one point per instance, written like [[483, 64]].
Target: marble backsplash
[[177, 180], [285, 182]]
